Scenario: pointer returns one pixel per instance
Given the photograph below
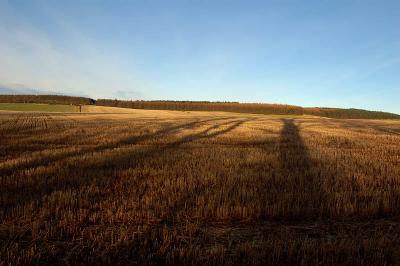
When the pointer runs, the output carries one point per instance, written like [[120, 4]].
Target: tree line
[[253, 108], [350, 113], [46, 99], [205, 106]]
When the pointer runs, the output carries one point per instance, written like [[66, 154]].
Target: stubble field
[[150, 187]]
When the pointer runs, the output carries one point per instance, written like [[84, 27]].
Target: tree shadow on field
[[23, 194], [149, 240], [299, 184], [351, 124], [188, 198], [76, 176], [46, 161]]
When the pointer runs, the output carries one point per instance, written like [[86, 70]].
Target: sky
[[335, 53]]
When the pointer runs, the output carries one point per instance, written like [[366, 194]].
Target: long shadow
[[188, 198], [102, 147], [155, 232], [25, 191], [298, 184], [82, 175], [360, 125], [293, 153]]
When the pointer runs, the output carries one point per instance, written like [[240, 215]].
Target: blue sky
[[339, 53]]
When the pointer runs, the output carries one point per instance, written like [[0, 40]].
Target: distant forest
[[206, 106], [252, 108], [46, 99]]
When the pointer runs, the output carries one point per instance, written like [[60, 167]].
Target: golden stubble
[[197, 187]]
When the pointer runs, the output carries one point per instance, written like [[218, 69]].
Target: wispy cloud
[[31, 58], [381, 66]]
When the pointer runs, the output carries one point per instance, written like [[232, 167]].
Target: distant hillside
[[205, 106], [253, 108], [48, 99], [349, 113]]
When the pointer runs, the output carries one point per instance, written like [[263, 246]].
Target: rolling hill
[[253, 108]]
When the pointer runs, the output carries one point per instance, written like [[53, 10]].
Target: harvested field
[[35, 107], [150, 187]]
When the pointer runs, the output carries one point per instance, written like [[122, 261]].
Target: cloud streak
[[31, 58]]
